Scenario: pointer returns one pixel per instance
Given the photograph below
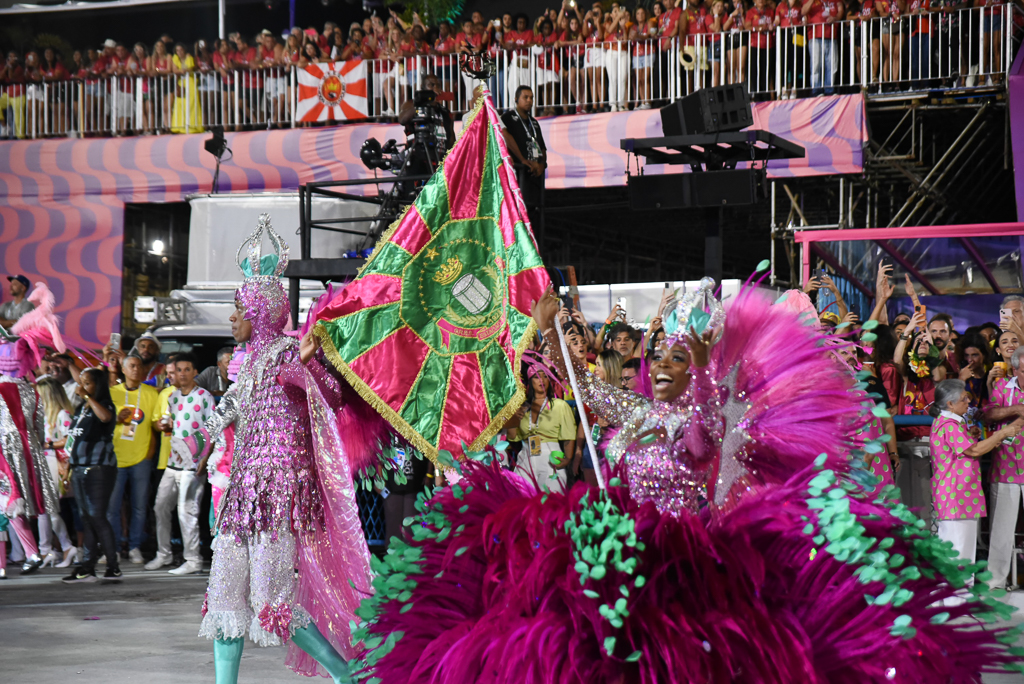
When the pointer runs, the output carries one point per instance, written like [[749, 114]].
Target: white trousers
[[1005, 499], [50, 524], [616, 63], [963, 534], [179, 488], [540, 467]]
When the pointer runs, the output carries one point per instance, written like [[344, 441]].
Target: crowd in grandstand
[[607, 57]]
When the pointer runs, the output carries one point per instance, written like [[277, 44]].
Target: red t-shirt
[[760, 27], [475, 40], [494, 45], [821, 11], [919, 23], [15, 81], [57, 72], [268, 57], [443, 48], [519, 40], [865, 8], [99, 67], [412, 48], [226, 63], [548, 60], [249, 79], [789, 16], [889, 7], [696, 23], [666, 23]]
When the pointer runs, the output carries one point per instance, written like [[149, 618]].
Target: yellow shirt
[[131, 442], [555, 423], [165, 441]]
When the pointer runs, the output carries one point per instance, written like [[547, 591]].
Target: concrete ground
[[142, 630]]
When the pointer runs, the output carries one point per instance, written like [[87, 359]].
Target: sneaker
[[102, 560], [80, 576], [158, 562], [186, 568], [388, 112], [135, 556], [112, 575]]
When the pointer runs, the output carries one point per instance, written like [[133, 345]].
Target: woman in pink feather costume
[[724, 550], [22, 427]]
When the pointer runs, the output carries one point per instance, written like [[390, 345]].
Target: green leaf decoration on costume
[[604, 541], [268, 264], [671, 322], [698, 320], [763, 265]]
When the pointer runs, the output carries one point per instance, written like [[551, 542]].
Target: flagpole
[[579, 405], [558, 327]]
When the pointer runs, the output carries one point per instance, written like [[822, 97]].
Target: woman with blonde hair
[[57, 412], [609, 367]]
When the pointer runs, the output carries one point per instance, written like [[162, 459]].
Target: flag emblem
[[331, 91], [432, 331]]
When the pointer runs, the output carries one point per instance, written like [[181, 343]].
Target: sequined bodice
[[667, 446], [665, 457], [272, 471]]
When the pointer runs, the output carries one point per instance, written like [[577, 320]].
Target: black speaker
[[735, 187], [709, 110]]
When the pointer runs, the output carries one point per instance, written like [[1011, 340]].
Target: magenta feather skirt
[[796, 584]]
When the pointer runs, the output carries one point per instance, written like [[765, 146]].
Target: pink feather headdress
[[35, 330]]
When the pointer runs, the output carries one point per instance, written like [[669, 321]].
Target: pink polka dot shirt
[[956, 479], [1008, 462]]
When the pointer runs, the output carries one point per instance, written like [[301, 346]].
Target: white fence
[[968, 48]]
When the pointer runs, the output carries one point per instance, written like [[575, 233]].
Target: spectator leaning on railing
[[603, 57]]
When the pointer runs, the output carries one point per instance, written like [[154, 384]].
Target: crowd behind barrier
[[779, 52]]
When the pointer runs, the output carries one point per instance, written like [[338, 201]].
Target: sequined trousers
[[252, 587]]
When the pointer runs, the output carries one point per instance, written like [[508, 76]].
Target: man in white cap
[[147, 347]]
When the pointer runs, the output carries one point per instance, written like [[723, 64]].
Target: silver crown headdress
[[699, 309], [257, 264]]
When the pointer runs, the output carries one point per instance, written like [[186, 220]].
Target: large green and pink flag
[[432, 331]]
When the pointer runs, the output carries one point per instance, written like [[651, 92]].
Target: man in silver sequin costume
[[273, 502]]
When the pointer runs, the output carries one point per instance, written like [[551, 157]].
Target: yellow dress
[[186, 98]]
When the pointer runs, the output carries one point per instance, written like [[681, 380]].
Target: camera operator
[[529, 149], [441, 119]]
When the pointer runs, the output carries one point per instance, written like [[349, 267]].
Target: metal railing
[[968, 48]]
